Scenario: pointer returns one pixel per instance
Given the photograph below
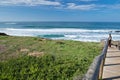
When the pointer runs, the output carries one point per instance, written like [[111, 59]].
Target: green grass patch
[[60, 59]]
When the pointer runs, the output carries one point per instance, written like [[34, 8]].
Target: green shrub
[[59, 62]]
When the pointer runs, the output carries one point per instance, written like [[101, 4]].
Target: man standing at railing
[[110, 39]]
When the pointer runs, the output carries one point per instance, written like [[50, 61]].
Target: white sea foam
[[69, 34], [60, 30], [10, 23]]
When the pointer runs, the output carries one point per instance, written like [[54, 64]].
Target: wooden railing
[[96, 69]]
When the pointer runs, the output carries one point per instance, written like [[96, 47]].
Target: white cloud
[[29, 2], [80, 7], [58, 5]]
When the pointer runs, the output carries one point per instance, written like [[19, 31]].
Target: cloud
[[80, 7], [60, 5], [29, 2]]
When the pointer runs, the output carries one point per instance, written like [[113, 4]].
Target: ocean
[[78, 31]]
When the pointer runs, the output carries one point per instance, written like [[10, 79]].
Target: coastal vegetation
[[32, 58]]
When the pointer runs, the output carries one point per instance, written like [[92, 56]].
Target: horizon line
[[59, 21]]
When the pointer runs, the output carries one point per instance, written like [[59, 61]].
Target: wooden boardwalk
[[111, 69]]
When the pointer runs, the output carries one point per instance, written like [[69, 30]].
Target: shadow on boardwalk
[[112, 78]]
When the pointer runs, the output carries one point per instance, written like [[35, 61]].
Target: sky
[[60, 10]]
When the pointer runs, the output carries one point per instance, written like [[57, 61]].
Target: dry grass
[[37, 54]]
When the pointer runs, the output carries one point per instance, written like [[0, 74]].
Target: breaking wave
[[64, 33]]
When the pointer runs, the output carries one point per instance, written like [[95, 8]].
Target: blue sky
[[60, 10]]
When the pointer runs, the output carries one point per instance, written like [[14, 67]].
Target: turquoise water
[[79, 31]]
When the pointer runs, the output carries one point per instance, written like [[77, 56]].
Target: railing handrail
[[96, 69]]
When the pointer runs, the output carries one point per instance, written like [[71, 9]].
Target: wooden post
[[101, 68]]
